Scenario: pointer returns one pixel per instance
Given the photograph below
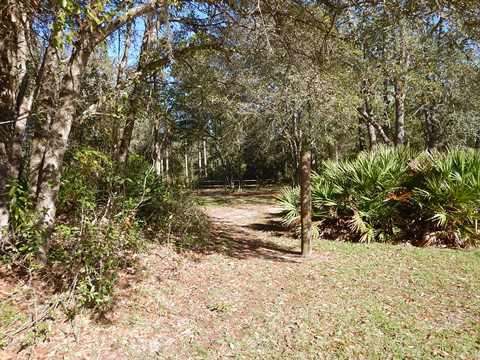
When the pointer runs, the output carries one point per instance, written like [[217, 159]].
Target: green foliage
[[26, 235], [176, 215], [108, 207], [92, 254], [360, 191], [103, 212], [86, 181], [390, 194], [289, 201], [448, 193]]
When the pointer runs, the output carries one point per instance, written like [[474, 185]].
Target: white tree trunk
[[186, 167], [200, 170], [205, 161], [4, 214], [158, 161], [167, 165]]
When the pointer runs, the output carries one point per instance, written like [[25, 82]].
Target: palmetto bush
[[447, 193], [289, 202], [361, 191], [393, 194]]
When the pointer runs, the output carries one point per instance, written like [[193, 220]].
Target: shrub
[[289, 201], [176, 215], [359, 190], [390, 194], [89, 256], [447, 194], [103, 212]]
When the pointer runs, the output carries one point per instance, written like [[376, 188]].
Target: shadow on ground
[[233, 241], [245, 231]]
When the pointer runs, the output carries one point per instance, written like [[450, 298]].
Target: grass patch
[[375, 301]]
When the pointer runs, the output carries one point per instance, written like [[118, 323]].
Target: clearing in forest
[[248, 295]]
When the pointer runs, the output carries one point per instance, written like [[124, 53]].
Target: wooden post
[[306, 202]]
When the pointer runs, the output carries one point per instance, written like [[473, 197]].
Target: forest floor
[[249, 295]]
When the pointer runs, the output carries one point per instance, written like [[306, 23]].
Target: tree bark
[[372, 132], [399, 111], [23, 101], [124, 148], [4, 203], [167, 165], [186, 167], [46, 88], [200, 170], [306, 202], [8, 91], [400, 84], [432, 130], [59, 132], [15, 104], [122, 65], [205, 161], [134, 100], [372, 135], [370, 121], [158, 161]]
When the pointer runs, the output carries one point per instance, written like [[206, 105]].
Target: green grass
[[9, 316], [398, 302], [367, 301]]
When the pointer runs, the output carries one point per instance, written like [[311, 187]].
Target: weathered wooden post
[[306, 202]]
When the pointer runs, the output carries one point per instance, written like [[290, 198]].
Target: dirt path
[[196, 305], [248, 230]]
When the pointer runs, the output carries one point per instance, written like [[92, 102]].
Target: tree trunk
[[158, 162], [46, 104], [134, 99], [205, 161], [122, 65], [8, 93], [306, 202], [372, 135], [58, 138], [400, 84], [15, 104], [372, 132], [200, 170], [167, 165], [4, 203], [186, 167], [122, 156], [23, 101], [399, 111], [432, 130]]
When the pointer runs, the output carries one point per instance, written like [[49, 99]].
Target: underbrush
[[396, 195], [105, 214]]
